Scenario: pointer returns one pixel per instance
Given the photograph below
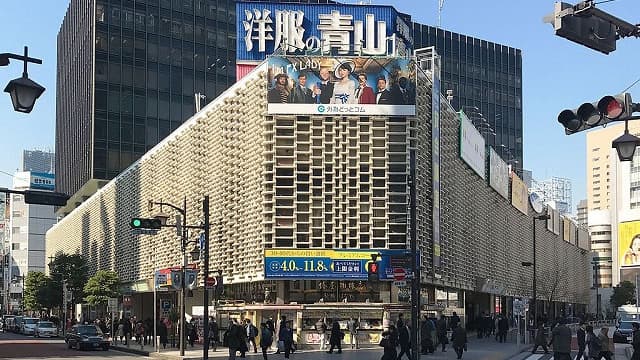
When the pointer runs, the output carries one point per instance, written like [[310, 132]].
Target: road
[[14, 346]]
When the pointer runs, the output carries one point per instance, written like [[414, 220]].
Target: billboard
[[498, 174], [315, 85], [472, 145], [519, 194], [34, 180], [337, 29], [629, 243], [340, 264]]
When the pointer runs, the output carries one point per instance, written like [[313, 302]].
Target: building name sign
[[336, 29]]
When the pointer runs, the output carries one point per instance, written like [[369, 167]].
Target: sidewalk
[[478, 349]]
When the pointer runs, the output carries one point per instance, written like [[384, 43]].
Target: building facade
[[582, 212], [38, 161], [556, 191], [127, 75], [322, 182]]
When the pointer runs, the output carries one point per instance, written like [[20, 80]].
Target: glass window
[[165, 4], [140, 18], [140, 51], [138, 78], [139, 105], [114, 73], [115, 15], [100, 159], [176, 57], [152, 132], [164, 51], [126, 132], [187, 83], [100, 12], [101, 71], [152, 19], [176, 108], [139, 134], [187, 55], [113, 160], [152, 105], [152, 50], [126, 102], [127, 46], [101, 41], [101, 100], [188, 32], [163, 106], [113, 131], [127, 75], [127, 18], [114, 44], [100, 129], [165, 24]]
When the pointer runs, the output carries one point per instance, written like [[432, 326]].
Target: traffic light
[[588, 115], [372, 271], [45, 198], [142, 223], [581, 24]]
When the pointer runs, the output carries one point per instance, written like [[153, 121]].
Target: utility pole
[[415, 259], [205, 211]]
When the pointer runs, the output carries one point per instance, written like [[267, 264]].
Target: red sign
[[210, 282], [126, 300], [399, 274]]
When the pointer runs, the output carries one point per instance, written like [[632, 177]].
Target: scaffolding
[[556, 191]]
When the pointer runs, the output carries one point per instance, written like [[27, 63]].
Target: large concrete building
[[323, 182], [38, 161]]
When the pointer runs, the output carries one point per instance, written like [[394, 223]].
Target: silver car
[[46, 329]]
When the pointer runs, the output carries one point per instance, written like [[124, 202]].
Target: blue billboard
[[329, 264], [42, 181], [337, 29]]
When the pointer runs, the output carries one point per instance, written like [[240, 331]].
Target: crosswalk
[[549, 356]]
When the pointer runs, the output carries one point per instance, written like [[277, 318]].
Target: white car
[[28, 326], [46, 329]]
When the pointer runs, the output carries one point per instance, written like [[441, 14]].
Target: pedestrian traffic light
[[372, 271], [610, 108], [142, 223]]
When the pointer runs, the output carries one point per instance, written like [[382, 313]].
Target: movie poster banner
[[316, 85], [629, 243]]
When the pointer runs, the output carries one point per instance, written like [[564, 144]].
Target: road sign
[[400, 283], [210, 282], [112, 302], [165, 304], [399, 274]]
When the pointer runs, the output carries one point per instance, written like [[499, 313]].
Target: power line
[[630, 86]]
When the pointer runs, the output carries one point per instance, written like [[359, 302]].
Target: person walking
[[193, 332], [441, 329], [162, 333], [235, 339], [286, 336], [214, 334], [561, 341], [266, 339], [592, 341], [127, 331], [389, 343], [503, 328], [581, 337], [459, 340], [426, 340], [283, 320], [252, 333], [605, 348], [353, 333], [540, 339], [404, 338], [321, 327], [335, 341], [121, 331], [636, 341]]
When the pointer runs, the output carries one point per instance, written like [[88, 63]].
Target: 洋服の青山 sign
[[264, 28], [312, 85]]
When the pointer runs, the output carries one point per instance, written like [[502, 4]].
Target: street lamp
[[24, 91], [543, 217], [626, 144]]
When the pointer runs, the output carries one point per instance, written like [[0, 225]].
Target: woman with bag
[[336, 338], [389, 342]]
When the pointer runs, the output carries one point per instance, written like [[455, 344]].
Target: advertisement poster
[[332, 264], [472, 146], [519, 194], [629, 243], [315, 85], [498, 174]]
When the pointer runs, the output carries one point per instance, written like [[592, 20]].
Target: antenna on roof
[[440, 6]]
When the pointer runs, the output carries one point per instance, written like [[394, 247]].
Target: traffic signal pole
[[205, 296]]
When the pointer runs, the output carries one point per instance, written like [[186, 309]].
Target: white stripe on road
[[535, 356]]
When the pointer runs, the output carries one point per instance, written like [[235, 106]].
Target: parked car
[[28, 326], [46, 329], [86, 337], [623, 333]]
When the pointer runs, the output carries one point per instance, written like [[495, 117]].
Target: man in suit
[[364, 92], [300, 94], [383, 96], [402, 93], [323, 90]]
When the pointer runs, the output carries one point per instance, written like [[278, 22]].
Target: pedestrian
[[127, 330], [266, 339], [353, 333], [593, 343], [234, 339], [503, 328], [441, 329], [192, 332], [425, 336], [459, 340], [162, 333], [214, 336], [636, 341], [283, 320], [389, 342], [321, 327], [455, 319], [252, 332], [561, 341], [404, 338], [605, 349], [148, 330], [581, 336], [540, 339], [139, 331], [121, 331], [286, 336], [336, 338], [400, 321]]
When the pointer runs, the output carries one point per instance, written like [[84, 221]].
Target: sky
[[557, 74]]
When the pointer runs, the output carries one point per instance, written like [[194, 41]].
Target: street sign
[[400, 283], [399, 274], [165, 304], [112, 302], [210, 282]]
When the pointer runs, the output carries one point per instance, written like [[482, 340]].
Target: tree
[[70, 268], [623, 294], [38, 293], [102, 286]]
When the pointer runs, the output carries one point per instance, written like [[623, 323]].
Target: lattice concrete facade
[[314, 182]]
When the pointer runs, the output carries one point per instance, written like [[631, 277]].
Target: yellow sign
[[629, 243], [332, 254], [519, 194]]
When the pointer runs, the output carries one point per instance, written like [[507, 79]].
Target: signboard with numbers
[[326, 263]]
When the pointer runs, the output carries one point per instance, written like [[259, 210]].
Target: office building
[[38, 161], [556, 191], [127, 75], [582, 213]]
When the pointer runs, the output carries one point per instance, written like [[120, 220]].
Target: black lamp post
[[534, 304], [626, 144], [24, 91]]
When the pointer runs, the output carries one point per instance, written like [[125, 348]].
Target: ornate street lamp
[[23, 91], [626, 144]]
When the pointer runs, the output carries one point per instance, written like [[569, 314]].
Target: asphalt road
[[15, 346]]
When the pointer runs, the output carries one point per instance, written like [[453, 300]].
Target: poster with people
[[629, 243], [316, 85]]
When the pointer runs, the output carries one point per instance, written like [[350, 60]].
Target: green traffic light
[[136, 222]]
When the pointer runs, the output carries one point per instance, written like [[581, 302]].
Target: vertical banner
[[435, 156]]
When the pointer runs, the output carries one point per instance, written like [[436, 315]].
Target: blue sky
[[557, 73]]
